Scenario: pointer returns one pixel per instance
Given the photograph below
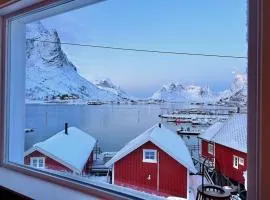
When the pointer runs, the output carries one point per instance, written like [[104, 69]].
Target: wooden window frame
[[37, 159], [235, 164], [258, 104], [241, 161], [209, 149], [149, 160]]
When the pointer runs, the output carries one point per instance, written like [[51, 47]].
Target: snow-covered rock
[[107, 84], [176, 92], [238, 91], [51, 75]]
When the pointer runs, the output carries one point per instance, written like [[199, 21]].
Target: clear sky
[[208, 26]]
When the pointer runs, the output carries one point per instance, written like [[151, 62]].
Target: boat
[[94, 103]]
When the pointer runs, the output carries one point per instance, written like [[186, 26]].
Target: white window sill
[[149, 161], [38, 189]]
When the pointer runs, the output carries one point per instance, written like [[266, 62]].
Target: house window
[[150, 155], [241, 161], [211, 149], [235, 162], [37, 162]]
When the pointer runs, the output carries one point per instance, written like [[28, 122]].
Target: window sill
[[36, 188], [149, 161]]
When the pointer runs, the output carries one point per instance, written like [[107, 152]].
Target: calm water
[[112, 125]]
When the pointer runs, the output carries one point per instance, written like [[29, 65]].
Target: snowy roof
[[71, 150], [165, 139], [232, 133], [211, 131]]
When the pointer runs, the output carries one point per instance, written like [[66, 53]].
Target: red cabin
[[227, 144], [157, 161], [70, 150]]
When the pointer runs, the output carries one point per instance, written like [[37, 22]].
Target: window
[[37, 162], [41, 90], [150, 155], [211, 149], [235, 162], [241, 161]]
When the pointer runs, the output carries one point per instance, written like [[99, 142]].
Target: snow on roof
[[72, 149], [211, 131], [165, 139], [232, 133]]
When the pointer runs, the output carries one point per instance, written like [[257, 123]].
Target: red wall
[[131, 171], [49, 162], [224, 162], [205, 149], [55, 165]]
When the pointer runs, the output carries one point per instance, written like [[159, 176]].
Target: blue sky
[[209, 26]]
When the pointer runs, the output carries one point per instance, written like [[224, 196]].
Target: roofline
[[229, 147], [51, 156], [110, 162]]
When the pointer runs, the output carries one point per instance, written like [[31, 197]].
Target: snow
[[232, 133], [165, 139], [211, 131], [176, 92], [50, 74], [72, 149], [194, 182]]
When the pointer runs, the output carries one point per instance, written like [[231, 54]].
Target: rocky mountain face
[[51, 75]]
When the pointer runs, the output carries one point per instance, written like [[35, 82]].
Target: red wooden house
[[227, 144], [157, 161], [70, 150]]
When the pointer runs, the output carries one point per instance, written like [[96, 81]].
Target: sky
[[209, 26]]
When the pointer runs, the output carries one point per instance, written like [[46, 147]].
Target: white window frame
[[210, 148], [146, 160], [235, 164], [241, 161], [32, 159]]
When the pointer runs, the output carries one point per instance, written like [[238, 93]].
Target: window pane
[[104, 87]]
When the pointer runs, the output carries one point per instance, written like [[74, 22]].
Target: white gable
[[165, 139], [72, 149], [232, 133]]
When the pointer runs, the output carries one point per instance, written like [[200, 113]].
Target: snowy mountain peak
[[51, 75], [240, 82], [177, 92]]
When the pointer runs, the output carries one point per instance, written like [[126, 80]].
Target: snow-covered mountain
[[238, 91], [106, 84], [50, 74], [176, 92]]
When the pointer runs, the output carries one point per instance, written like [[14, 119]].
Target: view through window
[[148, 96]]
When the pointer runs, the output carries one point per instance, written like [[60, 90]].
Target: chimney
[[66, 128], [159, 125]]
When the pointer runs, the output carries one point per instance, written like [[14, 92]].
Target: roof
[[72, 149], [211, 131], [232, 134], [165, 139]]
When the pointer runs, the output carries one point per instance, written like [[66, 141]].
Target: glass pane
[[105, 82]]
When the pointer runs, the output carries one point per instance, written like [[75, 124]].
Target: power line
[[144, 50]]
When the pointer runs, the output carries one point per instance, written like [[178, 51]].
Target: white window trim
[[38, 159], [235, 158], [241, 161], [150, 160], [209, 149]]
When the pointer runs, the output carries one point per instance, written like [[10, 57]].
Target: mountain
[[51, 75], [237, 94], [176, 92], [106, 84]]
